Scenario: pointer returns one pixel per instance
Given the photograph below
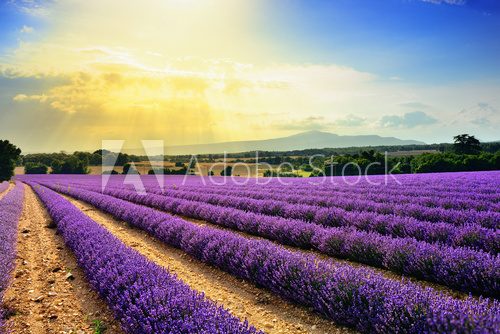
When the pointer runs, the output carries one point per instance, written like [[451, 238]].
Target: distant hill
[[305, 140]]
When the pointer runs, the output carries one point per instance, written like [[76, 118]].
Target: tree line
[[465, 154]]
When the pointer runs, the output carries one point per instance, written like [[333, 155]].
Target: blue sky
[[434, 40], [217, 70], [12, 19], [412, 39]]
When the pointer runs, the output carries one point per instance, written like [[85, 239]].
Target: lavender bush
[[305, 207], [355, 297], [144, 297], [11, 207], [472, 236], [4, 186], [324, 197], [459, 268]]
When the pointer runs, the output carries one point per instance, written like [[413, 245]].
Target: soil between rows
[[262, 309], [49, 292]]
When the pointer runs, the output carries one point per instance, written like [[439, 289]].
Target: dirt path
[[49, 293], [262, 309]]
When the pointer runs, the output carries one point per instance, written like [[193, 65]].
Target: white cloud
[[407, 120], [351, 121], [305, 124], [26, 29], [32, 7], [448, 2], [415, 105], [483, 114], [23, 97]]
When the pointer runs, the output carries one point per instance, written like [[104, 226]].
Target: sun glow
[[192, 72]]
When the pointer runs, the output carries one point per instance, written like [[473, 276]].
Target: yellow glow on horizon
[[184, 71]]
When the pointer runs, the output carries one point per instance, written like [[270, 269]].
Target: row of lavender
[[144, 297], [471, 235], [10, 210], [457, 188], [421, 194], [4, 186], [305, 207], [459, 200], [352, 211], [329, 199], [463, 269], [355, 297], [482, 185]]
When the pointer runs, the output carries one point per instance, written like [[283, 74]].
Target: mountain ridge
[[299, 141]]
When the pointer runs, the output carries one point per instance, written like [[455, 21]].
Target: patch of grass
[[304, 173], [99, 327]]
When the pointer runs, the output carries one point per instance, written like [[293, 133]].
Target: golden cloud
[[24, 97]]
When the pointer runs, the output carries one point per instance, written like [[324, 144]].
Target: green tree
[[95, 159], [34, 168], [9, 154], [192, 164], [56, 167], [101, 152], [122, 159], [435, 162], [466, 144], [83, 156], [228, 171], [495, 161], [129, 168], [70, 165]]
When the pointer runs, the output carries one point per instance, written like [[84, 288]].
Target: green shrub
[[228, 171], [129, 169], [9, 154], [70, 165], [34, 168]]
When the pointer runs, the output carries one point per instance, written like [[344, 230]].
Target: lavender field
[[416, 255], [249, 167]]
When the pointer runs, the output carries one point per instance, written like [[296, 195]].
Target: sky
[[74, 73]]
